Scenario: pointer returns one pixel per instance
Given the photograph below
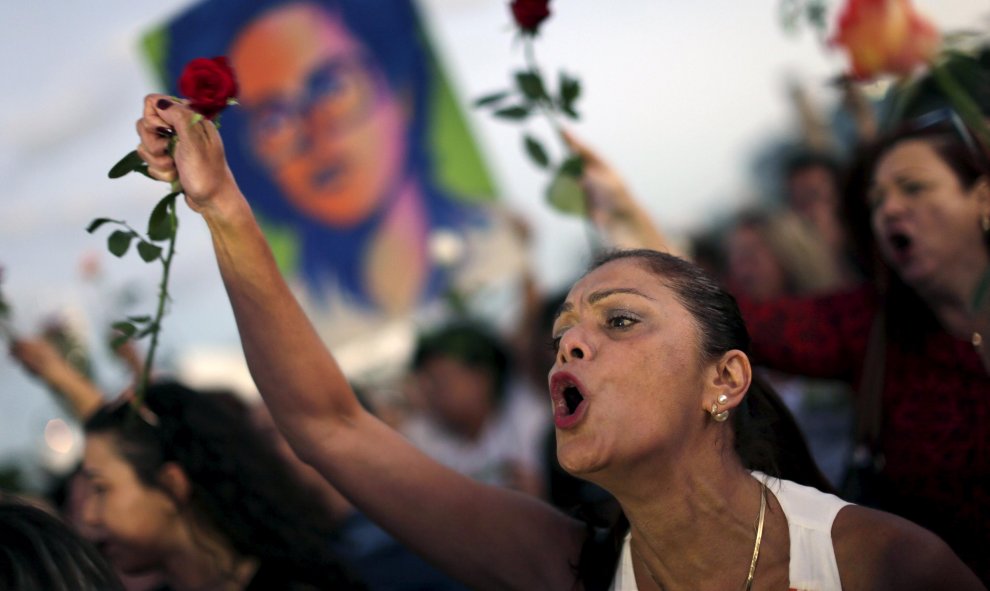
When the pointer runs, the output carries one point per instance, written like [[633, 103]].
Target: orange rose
[[885, 37]]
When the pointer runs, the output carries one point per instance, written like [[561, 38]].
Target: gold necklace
[[756, 545]]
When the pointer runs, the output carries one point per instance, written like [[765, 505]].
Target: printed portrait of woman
[[332, 142]]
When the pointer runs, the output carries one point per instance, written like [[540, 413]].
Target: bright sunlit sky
[[678, 95]]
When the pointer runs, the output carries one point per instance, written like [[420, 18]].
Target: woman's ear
[[733, 375], [174, 480], [982, 192]]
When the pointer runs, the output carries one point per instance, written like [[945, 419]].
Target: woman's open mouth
[[900, 245], [569, 403], [572, 397]]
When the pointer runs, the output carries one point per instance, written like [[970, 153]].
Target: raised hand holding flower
[[209, 85], [531, 95]]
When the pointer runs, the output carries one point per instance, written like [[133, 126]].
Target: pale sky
[[678, 95]]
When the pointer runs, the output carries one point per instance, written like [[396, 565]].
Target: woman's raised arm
[[489, 537]]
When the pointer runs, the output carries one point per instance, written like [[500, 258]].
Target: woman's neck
[[696, 530], [207, 562], [951, 299]]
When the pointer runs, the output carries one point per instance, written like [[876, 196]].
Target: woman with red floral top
[[924, 192], [928, 193]]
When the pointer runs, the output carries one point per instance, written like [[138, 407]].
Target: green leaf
[[119, 340], [491, 99], [817, 13], [566, 195], [125, 328], [127, 164], [148, 251], [139, 319], [573, 166], [119, 242], [531, 85], [516, 112], [536, 152], [160, 222], [570, 90], [95, 224]]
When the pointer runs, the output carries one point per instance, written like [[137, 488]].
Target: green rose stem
[[163, 296], [162, 225], [545, 106], [534, 69]]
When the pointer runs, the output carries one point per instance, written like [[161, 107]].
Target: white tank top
[[809, 513]]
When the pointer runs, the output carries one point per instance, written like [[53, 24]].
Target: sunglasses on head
[[946, 118]]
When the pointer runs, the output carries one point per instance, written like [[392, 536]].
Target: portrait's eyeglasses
[[946, 117], [336, 95]]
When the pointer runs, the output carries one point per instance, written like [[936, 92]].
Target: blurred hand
[[607, 194], [37, 355], [611, 206], [127, 352]]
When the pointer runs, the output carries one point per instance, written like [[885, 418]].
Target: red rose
[[209, 84], [885, 37], [530, 13]]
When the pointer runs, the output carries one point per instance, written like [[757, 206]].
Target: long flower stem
[[160, 313], [551, 118], [534, 68]]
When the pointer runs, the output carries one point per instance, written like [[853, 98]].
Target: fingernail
[[165, 131], [163, 103]]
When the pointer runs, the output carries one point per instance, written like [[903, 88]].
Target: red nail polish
[[165, 131], [163, 103]]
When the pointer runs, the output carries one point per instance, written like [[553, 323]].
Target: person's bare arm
[[491, 538], [43, 360], [877, 551]]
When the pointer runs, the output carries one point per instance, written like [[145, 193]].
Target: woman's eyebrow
[[598, 296]]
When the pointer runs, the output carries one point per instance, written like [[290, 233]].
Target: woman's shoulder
[[878, 550]]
